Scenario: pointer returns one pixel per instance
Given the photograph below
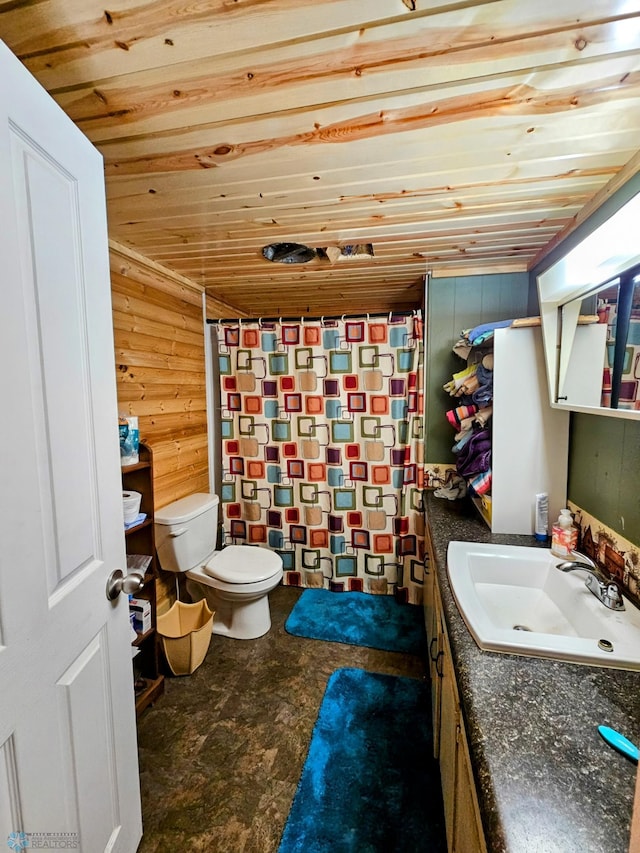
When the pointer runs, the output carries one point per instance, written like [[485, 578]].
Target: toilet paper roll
[[131, 505]]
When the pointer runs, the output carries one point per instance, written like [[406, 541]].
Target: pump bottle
[[564, 536]]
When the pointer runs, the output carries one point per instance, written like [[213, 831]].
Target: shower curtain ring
[[343, 316], [259, 322], [390, 313]]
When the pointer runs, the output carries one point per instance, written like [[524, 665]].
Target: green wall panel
[[604, 470], [454, 304]]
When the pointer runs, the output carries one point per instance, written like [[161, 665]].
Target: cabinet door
[[434, 641], [448, 737], [437, 653], [468, 836], [429, 591], [461, 812]]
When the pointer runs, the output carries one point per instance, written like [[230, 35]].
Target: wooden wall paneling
[[161, 379], [128, 263], [129, 321], [217, 308], [171, 391], [139, 342], [147, 361], [160, 370], [182, 465], [173, 483]]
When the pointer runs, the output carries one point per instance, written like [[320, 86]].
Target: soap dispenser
[[564, 535]]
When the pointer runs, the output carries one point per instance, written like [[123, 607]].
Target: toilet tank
[[186, 532]]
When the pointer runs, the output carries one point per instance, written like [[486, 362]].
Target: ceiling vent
[[288, 253]]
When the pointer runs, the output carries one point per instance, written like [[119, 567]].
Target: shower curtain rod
[[302, 319]]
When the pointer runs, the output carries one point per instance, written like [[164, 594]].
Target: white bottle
[[564, 535], [541, 527]]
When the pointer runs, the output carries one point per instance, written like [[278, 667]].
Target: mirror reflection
[[614, 305]]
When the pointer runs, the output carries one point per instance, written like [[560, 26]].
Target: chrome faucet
[[604, 589]]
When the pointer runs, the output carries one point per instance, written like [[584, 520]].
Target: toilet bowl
[[235, 581]]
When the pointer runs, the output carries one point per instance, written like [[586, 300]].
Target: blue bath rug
[[370, 783], [360, 619]]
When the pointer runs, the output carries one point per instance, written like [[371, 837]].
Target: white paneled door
[[68, 757]]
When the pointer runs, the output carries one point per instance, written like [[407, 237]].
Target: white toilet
[[236, 581]]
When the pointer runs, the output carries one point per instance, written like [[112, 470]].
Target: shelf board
[[137, 466], [477, 502], [145, 523], [154, 687], [142, 637]]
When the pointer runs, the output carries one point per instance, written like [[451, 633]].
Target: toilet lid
[[243, 564]]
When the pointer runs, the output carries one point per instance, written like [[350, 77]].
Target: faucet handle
[[613, 597]]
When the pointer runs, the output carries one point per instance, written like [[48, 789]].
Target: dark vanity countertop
[[546, 781]]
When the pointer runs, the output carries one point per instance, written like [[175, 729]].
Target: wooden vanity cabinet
[[461, 811], [433, 641], [468, 836]]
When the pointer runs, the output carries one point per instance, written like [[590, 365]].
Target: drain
[[521, 628], [605, 645]]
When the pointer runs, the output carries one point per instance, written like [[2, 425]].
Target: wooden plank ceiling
[[452, 136]]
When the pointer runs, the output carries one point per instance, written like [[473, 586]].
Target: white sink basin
[[514, 599]]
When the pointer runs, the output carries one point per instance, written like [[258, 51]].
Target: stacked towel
[[477, 336], [475, 456], [455, 384], [461, 439], [483, 416], [469, 386], [473, 387], [484, 332], [456, 416], [483, 394], [466, 428], [481, 483]]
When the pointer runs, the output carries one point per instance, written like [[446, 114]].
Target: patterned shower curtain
[[322, 447]]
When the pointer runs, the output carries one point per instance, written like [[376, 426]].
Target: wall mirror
[[590, 309]]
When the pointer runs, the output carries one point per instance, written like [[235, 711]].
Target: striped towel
[[456, 416], [481, 483]]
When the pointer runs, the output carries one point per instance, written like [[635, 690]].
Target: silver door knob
[[118, 582]]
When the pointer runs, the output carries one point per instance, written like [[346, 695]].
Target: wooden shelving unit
[[139, 541]]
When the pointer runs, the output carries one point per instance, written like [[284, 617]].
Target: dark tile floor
[[222, 751]]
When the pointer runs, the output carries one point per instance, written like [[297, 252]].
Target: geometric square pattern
[[322, 448]]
